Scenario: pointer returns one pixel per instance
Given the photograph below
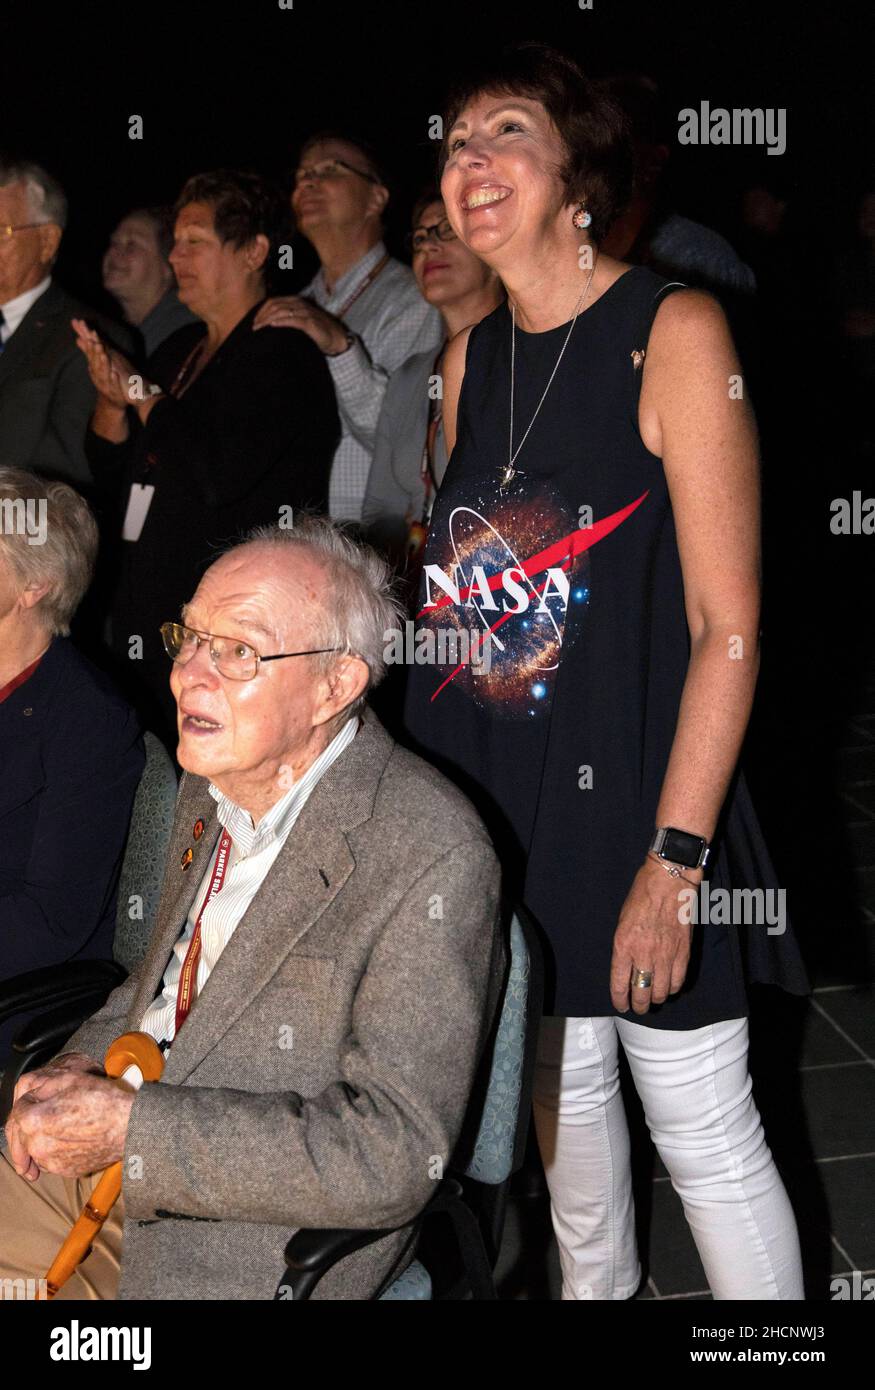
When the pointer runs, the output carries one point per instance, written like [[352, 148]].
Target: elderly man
[[46, 397], [363, 310], [137, 273], [71, 754], [330, 905]]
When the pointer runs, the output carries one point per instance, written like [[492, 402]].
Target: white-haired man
[[46, 395], [344, 971]]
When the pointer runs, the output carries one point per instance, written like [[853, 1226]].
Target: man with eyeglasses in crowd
[[322, 976], [363, 309], [46, 395]]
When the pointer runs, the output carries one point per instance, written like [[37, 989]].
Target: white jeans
[[696, 1092]]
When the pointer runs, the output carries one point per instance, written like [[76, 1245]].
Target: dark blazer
[[324, 1073], [256, 431], [46, 395], [71, 756]]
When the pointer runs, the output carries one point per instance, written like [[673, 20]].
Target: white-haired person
[[71, 751], [322, 977], [46, 395]]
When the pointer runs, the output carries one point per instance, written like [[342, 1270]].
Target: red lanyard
[[369, 279], [185, 995]]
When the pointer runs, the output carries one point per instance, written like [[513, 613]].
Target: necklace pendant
[[507, 476]]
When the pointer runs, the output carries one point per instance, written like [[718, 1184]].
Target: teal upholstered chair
[[473, 1195], [71, 992]]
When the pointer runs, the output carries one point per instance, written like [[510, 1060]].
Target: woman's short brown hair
[[245, 205], [597, 169]]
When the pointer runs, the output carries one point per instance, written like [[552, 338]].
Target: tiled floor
[[812, 1066]]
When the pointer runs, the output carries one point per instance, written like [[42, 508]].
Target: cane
[[130, 1050]]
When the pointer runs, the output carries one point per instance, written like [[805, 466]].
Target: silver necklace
[[509, 473]]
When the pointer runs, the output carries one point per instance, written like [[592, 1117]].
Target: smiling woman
[[595, 459], [593, 158]]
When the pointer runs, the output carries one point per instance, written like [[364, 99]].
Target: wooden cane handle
[[135, 1050], [131, 1049]]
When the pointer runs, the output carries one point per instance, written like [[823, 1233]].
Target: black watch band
[[681, 847]]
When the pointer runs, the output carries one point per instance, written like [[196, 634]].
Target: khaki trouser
[[35, 1217]]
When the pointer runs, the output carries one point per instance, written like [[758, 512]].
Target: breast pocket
[[296, 1014]]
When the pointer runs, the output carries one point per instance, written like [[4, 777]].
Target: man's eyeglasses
[[231, 656], [416, 239], [330, 169], [9, 230]]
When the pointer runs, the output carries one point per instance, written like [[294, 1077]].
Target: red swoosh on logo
[[563, 552], [568, 548]]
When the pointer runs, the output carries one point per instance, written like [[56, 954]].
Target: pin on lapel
[[638, 356], [186, 859], [198, 828]]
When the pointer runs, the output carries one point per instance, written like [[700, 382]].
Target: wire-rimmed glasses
[[231, 656], [329, 169]]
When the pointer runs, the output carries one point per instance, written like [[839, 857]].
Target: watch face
[[682, 847]]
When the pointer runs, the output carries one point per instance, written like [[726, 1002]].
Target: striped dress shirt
[[391, 321], [253, 851]]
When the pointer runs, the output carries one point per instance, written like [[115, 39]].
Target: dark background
[[240, 83]]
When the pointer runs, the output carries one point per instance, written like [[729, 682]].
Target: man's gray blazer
[[46, 394], [322, 1076]]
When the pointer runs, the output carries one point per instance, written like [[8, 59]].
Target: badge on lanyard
[[139, 503]]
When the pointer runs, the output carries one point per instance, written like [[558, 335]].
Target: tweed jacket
[[322, 1077]]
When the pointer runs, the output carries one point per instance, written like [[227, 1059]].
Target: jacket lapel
[[180, 885], [24, 347], [308, 873]]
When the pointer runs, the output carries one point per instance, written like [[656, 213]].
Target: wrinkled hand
[[75, 1122], [69, 1063], [651, 936], [109, 369], [292, 311]]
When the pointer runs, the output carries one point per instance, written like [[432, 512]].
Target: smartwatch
[[680, 847]]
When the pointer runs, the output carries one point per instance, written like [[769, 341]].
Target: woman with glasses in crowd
[[410, 454]]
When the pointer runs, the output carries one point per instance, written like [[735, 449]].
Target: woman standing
[[597, 527]]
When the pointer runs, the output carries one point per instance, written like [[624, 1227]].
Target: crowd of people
[[524, 438]]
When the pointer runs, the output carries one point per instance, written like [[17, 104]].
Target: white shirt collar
[[276, 823], [15, 310]]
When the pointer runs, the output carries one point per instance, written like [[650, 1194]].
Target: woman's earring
[[581, 218]]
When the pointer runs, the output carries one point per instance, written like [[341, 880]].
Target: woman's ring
[[642, 979]]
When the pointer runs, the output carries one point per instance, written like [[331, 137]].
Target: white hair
[[45, 196], [64, 556], [360, 605]]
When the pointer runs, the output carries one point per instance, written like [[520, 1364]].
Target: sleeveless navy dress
[[560, 726]]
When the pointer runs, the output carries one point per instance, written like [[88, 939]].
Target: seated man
[[71, 754], [345, 967]]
